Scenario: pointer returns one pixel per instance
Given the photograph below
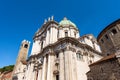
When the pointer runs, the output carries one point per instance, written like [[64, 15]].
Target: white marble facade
[[59, 53]]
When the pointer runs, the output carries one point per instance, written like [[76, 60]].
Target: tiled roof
[[7, 75], [104, 59]]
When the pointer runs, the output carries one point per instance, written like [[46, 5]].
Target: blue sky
[[20, 19]]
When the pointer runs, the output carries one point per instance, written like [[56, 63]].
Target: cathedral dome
[[66, 22]]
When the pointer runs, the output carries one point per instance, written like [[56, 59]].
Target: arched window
[[75, 34], [26, 46], [113, 31], [66, 33], [79, 56]]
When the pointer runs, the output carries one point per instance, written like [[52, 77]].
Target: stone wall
[[106, 70]]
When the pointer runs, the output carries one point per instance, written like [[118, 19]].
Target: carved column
[[40, 74], [31, 72], [44, 69], [74, 64], [68, 57], [52, 65], [48, 68], [62, 66], [27, 73], [60, 32], [47, 38], [51, 35], [36, 75], [67, 67], [71, 65], [54, 37]]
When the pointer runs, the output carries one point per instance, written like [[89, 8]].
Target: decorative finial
[[52, 18], [24, 40], [45, 21], [49, 19], [64, 18]]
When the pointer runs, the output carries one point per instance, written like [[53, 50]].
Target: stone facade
[[59, 53], [109, 38]]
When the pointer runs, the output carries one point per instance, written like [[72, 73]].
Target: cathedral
[[58, 53]]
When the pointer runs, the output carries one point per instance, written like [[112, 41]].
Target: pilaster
[[47, 38], [67, 67], [62, 66], [31, 72], [52, 66], [74, 64], [40, 74], [27, 73], [44, 69], [51, 35], [54, 34], [48, 68]]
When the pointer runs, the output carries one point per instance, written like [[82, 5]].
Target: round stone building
[[109, 38]]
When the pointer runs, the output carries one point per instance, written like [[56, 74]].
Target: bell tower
[[22, 56]]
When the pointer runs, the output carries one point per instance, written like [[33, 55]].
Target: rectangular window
[[66, 34], [57, 77], [74, 34], [58, 34], [42, 45]]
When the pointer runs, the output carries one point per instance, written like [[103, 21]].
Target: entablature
[[64, 44]]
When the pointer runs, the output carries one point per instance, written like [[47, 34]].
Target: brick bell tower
[[22, 56]]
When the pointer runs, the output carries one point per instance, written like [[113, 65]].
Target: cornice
[[70, 26], [64, 44], [107, 28], [44, 27]]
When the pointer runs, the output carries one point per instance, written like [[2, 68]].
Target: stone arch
[[26, 46], [113, 31]]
